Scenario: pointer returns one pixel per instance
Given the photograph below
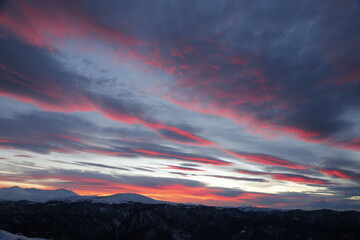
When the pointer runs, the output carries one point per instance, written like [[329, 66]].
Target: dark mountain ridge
[[135, 221]]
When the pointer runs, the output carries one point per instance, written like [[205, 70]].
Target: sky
[[226, 103]]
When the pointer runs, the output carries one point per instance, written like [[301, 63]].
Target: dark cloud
[[45, 132], [239, 178], [189, 165], [42, 132], [341, 161], [172, 154], [74, 178], [264, 159], [175, 136], [102, 166], [274, 61], [346, 191], [275, 92], [180, 173], [183, 168], [54, 88], [288, 177], [24, 156], [228, 193], [340, 173], [143, 169]]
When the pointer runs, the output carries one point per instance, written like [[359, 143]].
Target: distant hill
[[34, 195], [38, 195]]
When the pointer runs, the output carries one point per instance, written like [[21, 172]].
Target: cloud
[[288, 177], [51, 26], [46, 132], [183, 168], [264, 91], [238, 178], [265, 160], [42, 132], [24, 156], [54, 88], [350, 144], [260, 88], [144, 169], [339, 173], [183, 157], [181, 190], [299, 179], [102, 166]]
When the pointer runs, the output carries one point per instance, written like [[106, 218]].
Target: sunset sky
[[218, 102]]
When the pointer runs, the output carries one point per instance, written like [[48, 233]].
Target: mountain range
[[42, 196], [64, 215]]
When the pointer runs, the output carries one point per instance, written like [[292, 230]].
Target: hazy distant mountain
[[34, 195], [38, 195], [135, 217], [124, 198]]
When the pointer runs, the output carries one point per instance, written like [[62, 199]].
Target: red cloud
[[298, 179], [266, 160], [71, 138], [350, 77], [24, 156], [54, 97], [40, 28], [49, 26], [353, 144], [335, 173], [194, 140], [253, 125], [192, 159], [6, 141]]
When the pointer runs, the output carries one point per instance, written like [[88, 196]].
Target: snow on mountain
[[10, 236], [125, 198], [38, 195], [34, 195]]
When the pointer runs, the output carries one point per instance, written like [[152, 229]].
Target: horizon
[[215, 103], [165, 202]]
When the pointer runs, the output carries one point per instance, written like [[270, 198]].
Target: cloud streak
[[266, 160], [288, 177]]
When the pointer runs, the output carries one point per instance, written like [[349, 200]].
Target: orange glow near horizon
[[173, 192]]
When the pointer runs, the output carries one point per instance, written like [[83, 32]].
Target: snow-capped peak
[[125, 198], [33, 194], [4, 235], [38, 195]]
